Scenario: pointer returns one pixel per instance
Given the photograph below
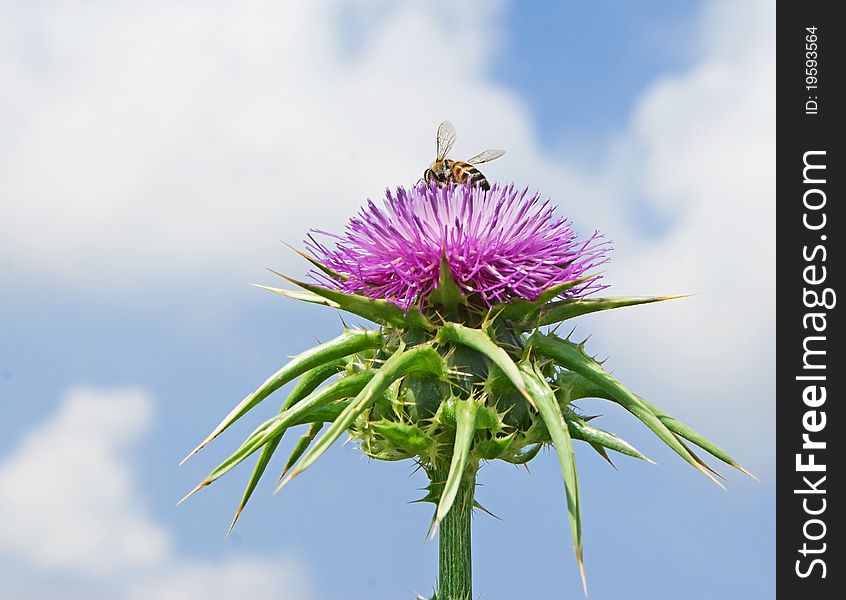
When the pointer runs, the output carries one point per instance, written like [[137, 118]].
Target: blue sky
[[575, 82], [156, 156]]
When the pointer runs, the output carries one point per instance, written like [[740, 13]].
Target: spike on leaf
[[377, 310], [345, 344], [525, 310], [571, 356], [562, 310], [421, 359], [695, 437], [302, 444], [299, 295], [297, 414], [323, 268], [599, 438], [478, 506], [563, 443], [601, 451], [305, 386]]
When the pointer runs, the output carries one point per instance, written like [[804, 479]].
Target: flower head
[[499, 245], [453, 385]]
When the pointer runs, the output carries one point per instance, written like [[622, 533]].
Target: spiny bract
[[457, 371]]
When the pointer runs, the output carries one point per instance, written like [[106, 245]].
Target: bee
[[445, 170]]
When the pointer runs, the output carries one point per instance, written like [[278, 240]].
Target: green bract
[[448, 385]]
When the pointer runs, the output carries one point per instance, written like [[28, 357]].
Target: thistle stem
[[454, 552]]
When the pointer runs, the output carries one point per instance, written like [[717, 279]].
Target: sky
[[155, 155]]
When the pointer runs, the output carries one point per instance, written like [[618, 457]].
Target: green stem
[[454, 558]]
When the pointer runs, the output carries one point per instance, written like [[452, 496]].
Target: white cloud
[[72, 512], [67, 486], [700, 154], [149, 142], [161, 140], [237, 578]]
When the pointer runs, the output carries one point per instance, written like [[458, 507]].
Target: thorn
[[195, 450], [418, 501], [714, 471], [744, 471], [582, 570], [701, 464], [709, 476], [286, 481], [485, 510], [237, 514], [278, 274], [604, 455], [202, 484], [679, 297], [433, 529]]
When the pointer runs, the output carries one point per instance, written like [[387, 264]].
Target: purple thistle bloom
[[500, 245]]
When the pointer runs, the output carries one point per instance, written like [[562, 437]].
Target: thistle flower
[[498, 245], [457, 371]]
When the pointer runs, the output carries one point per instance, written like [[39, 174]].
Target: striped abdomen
[[463, 172]]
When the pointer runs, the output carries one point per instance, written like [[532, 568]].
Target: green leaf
[[407, 437], [601, 451], [447, 293], [319, 405], [573, 357], [521, 457], [579, 430], [572, 386], [694, 436], [567, 309], [302, 444], [478, 340], [560, 433], [299, 295], [349, 342], [297, 414], [522, 310], [465, 427], [422, 358], [488, 417], [328, 412], [377, 310], [388, 455], [698, 459], [493, 447], [305, 386]]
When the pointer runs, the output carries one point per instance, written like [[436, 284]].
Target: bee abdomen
[[463, 172]]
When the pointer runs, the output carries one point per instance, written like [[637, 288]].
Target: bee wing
[[486, 156], [446, 139]]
